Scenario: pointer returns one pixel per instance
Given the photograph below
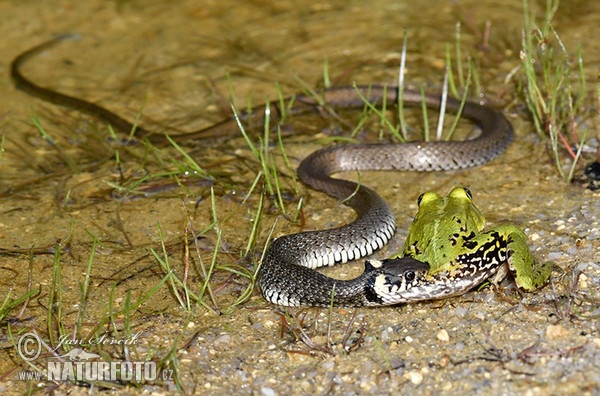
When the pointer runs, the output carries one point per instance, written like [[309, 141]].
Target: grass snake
[[287, 273]]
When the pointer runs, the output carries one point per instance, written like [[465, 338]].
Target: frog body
[[447, 234]]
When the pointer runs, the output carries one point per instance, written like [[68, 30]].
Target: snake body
[[287, 275]]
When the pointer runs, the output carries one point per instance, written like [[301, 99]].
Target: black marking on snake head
[[369, 267], [370, 294], [398, 265], [401, 272]]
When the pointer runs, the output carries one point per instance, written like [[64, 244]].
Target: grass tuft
[[553, 89]]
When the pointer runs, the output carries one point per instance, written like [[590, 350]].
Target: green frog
[[447, 235]]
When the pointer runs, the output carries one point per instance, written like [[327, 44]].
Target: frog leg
[[500, 275], [529, 273]]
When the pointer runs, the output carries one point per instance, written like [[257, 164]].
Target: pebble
[[328, 365], [583, 282], [460, 311], [556, 331], [414, 376], [222, 341], [443, 335], [264, 391], [554, 255]]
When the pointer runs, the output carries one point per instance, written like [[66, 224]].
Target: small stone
[[222, 341], [328, 366], [443, 335], [553, 256], [414, 376], [269, 323], [556, 331], [264, 391], [583, 281], [444, 361]]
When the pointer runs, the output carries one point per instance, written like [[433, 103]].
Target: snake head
[[391, 278]]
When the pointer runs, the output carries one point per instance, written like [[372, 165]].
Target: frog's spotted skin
[[447, 235]]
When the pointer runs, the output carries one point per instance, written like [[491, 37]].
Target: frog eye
[[427, 198], [468, 192]]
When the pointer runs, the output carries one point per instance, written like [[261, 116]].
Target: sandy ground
[[177, 62]]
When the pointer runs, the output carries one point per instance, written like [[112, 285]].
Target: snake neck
[[381, 283], [297, 285]]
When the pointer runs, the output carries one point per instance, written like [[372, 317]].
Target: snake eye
[[420, 199], [409, 276]]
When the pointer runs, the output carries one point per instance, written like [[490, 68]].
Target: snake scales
[[287, 274]]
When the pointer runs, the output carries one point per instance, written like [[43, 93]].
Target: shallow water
[[179, 61]]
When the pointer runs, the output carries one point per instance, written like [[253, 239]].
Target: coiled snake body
[[287, 275]]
